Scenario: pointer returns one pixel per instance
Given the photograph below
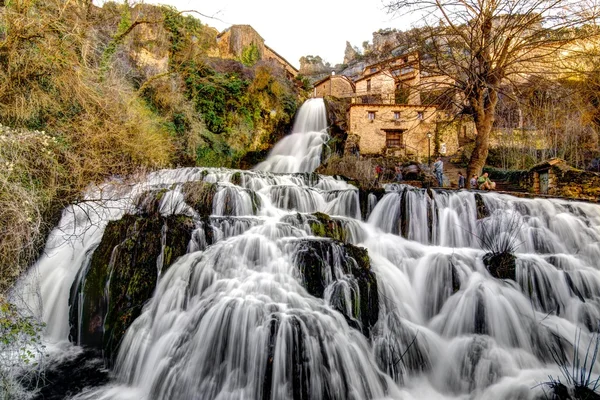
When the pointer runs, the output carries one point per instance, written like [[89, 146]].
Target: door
[[544, 182]]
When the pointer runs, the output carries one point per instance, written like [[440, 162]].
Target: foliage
[[303, 82], [500, 234], [87, 95], [32, 180], [21, 352], [250, 55]]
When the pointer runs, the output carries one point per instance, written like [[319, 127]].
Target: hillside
[[91, 92]]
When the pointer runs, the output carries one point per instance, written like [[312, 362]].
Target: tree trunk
[[484, 104], [482, 143]]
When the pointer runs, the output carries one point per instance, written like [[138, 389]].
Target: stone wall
[[383, 88], [415, 121], [232, 42], [452, 134], [270, 54], [565, 181], [334, 85]]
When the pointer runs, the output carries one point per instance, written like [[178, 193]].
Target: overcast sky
[[298, 28]]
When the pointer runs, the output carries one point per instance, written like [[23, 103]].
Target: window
[[373, 69], [420, 115], [407, 70], [396, 115], [371, 115], [368, 85], [396, 72], [393, 138]]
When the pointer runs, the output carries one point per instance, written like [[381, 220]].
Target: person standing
[[438, 171], [378, 173], [398, 169], [461, 180], [473, 181]]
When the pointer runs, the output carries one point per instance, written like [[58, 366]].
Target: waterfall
[[225, 284], [301, 150], [273, 299]]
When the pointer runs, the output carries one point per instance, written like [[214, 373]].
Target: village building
[[388, 114], [556, 178], [394, 129], [339, 86], [233, 41]]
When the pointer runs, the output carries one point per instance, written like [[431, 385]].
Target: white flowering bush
[[30, 179]]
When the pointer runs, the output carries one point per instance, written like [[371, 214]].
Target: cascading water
[[277, 298], [301, 150]]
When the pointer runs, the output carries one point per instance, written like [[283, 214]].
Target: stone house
[[388, 116], [394, 129], [232, 42], [556, 178], [390, 81], [339, 86]]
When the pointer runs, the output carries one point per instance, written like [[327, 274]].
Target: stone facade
[[334, 85], [393, 129], [233, 40], [387, 115], [379, 87]]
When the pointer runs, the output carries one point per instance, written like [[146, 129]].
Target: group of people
[[482, 182]]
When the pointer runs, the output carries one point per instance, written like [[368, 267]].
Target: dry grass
[[30, 182], [73, 126]]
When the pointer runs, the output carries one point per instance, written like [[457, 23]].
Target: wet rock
[[199, 195], [148, 203], [501, 265], [482, 210], [236, 178], [318, 260], [122, 276], [363, 198], [69, 377], [404, 214], [324, 226], [585, 393]]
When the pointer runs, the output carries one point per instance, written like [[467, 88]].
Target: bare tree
[[483, 46]]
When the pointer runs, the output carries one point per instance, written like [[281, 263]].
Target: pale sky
[[299, 28]]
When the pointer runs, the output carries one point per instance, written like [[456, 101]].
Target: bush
[[21, 352]]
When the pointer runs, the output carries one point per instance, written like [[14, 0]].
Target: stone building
[[556, 178], [232, 42], [393, 111], [394, 129], [390, 81], [339, 86]]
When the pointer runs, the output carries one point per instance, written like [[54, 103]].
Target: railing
[[406, 147]]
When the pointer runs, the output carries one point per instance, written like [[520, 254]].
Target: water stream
[[235, 319]]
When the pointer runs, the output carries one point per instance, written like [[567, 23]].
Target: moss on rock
[[199, 195], [323, 225], [316, 262], [122, 276]]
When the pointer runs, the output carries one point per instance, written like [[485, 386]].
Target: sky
[[299, 28]]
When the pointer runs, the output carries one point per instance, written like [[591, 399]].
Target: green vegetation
[[89, 92], [20, 337]]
